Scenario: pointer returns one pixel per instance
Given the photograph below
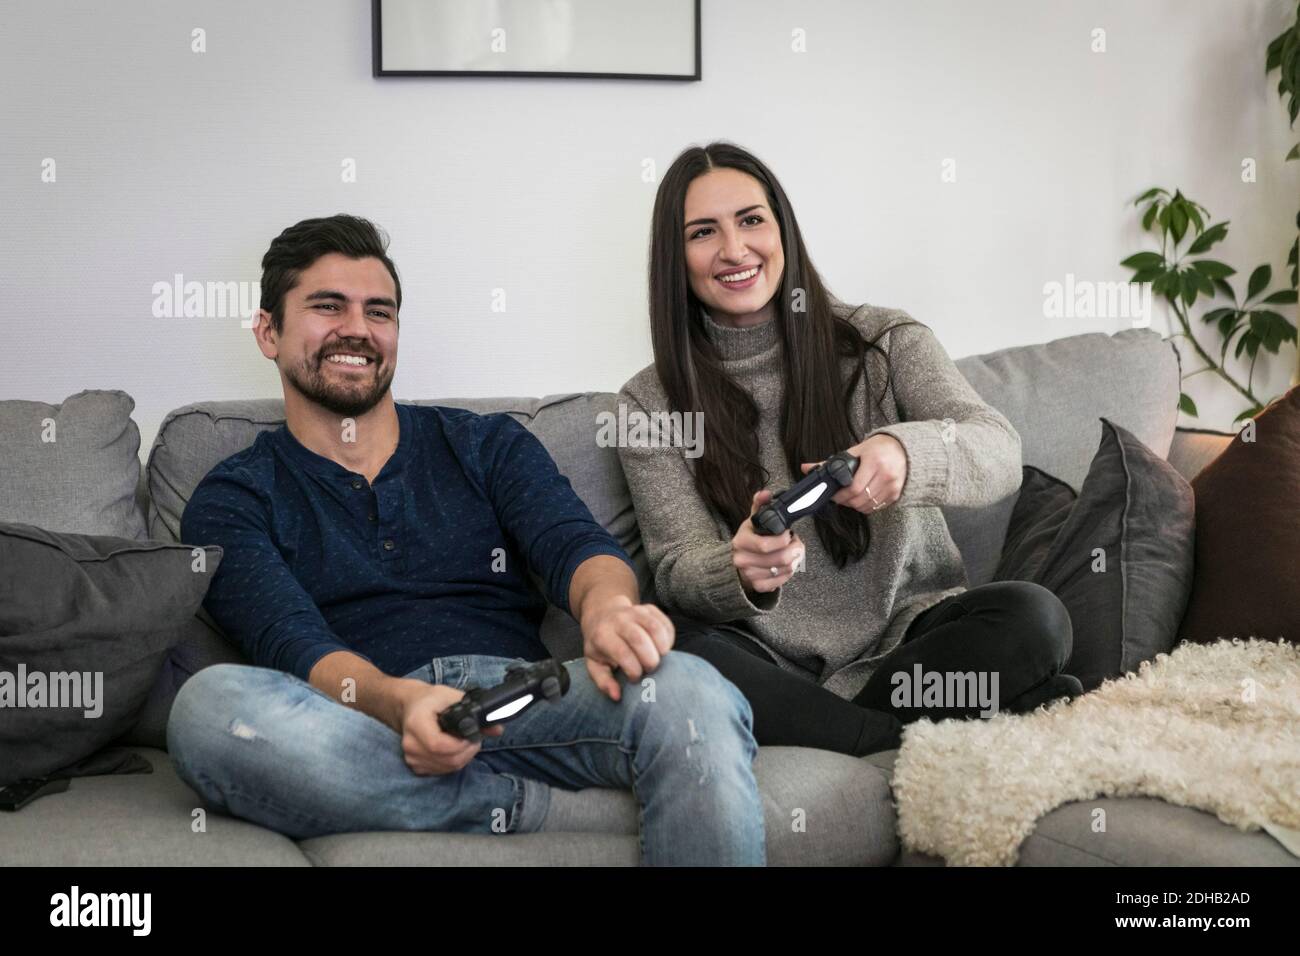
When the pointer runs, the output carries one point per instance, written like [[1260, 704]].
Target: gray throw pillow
[[72, 467], [1118, 555], [86, 622], [201, 645]]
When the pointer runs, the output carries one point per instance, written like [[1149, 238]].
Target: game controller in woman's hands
[[808, 496]]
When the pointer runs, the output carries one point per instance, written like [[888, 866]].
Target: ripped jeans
[[266, 746]]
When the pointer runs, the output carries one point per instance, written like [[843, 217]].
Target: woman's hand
[[881, 474], [764, 562]]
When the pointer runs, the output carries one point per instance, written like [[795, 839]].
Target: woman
[[824, 627]]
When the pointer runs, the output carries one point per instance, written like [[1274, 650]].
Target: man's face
[[338, 344]]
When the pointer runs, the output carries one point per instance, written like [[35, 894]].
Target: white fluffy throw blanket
[[1214, 726]]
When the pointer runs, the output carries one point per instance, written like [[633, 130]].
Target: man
[[376, 561]]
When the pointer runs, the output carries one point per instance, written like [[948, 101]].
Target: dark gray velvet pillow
[[202, 644], [85, 624], [1118, 555]]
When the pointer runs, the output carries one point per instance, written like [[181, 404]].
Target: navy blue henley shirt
[[431, 560]]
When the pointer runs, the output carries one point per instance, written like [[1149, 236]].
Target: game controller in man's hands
[[808, 496], [525, 685]]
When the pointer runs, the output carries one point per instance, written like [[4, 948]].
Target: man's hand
[[426, 747], [620, 634], [617, 632]]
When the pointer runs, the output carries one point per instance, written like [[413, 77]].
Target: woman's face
[[733, 247]]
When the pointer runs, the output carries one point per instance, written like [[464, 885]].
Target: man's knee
[[212, 699], [686, 693]]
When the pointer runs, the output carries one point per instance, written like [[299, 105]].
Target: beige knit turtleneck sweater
[[830, 625]]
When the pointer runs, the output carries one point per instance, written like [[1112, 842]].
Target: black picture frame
[[379, 71]]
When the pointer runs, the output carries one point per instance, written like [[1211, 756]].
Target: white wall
[[170, 161]]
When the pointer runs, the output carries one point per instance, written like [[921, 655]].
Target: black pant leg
[[1016, 630], [789, 710]]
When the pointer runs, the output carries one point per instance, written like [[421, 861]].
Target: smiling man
[[376, 563]]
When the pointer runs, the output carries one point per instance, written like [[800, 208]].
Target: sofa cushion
[[72, 467], [1248, 533], [1134, 831], [1054, 395], [1125, 603], [820, 809], [86, 621], [193, 439], [136, 820]]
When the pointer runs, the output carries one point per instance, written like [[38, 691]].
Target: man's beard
[[338, 397]]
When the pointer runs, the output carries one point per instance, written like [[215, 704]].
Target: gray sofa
[[1054, 394]]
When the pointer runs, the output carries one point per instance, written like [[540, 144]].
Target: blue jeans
[[263, 745]]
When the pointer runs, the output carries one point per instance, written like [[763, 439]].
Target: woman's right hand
[[756, 555]]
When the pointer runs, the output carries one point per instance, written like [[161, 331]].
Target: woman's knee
[[1039, 618]]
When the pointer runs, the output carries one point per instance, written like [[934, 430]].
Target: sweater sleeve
[[689, 557], [960, 450]]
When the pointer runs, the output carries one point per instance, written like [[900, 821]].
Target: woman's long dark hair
[[815, 419]]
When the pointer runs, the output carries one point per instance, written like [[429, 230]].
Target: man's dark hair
[[301, 244]]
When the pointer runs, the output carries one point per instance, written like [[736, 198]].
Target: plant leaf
[[1213, 269], [1228, 326], [1272, 328], [1208, 238], [1241, 343], [1186, 405], [1259, 280], [1178, 222], [1284, 297], [1144, 260]]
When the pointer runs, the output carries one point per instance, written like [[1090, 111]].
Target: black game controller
[[525, 685], [808, 496]]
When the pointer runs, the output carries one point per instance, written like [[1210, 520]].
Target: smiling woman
[[813, 630]]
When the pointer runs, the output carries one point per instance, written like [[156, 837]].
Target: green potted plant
[[1183, 275]]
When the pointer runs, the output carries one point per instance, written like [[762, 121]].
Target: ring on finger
[[775, 571]]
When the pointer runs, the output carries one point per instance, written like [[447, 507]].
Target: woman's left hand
[[881, 474]]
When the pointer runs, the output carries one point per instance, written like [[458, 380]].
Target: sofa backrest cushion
[[1194, 448], [1055, 395], [72, 467]]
